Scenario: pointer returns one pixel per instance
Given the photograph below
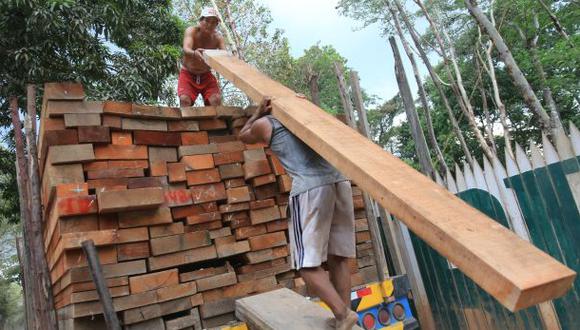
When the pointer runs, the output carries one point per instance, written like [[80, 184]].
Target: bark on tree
[[409, 104], [462, 96], [512, 67], [344, 96], [485, 107], [42, 315], [531, 45], [363, 123], [422, 96], [546, 90], [22, 175], [46, 304], [496, 96], [556, 23], [432, 74], [313, 84]]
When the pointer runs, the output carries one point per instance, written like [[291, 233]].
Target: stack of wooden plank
[[185, 217]]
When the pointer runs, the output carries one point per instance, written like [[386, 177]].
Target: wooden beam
[[512, 270], [102, 289]]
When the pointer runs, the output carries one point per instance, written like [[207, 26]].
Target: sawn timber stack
[[185, 217], [509, 268]]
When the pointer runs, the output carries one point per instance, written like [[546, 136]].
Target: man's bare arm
[[188, 43], [221, 43], [258, 129]]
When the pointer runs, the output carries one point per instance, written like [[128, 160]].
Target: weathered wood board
[[282, 309]]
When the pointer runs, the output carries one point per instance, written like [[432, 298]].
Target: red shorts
[[194, 84]]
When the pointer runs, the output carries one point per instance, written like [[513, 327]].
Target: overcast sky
[[307, 22]]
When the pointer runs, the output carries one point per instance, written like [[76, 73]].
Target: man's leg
[[319, 284], [211, 91], [339, 272], [215, 99], [185, 101]]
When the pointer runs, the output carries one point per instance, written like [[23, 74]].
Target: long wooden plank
[[512, 270]]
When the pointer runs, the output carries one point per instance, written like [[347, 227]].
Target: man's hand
[[265, 107], [199, 53]]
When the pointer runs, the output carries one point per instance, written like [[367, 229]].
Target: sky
[[307, 22]]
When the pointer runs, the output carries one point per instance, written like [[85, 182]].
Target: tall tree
[[513, 69], [447, 50]]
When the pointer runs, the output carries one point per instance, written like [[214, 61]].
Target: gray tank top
[[306, 168]]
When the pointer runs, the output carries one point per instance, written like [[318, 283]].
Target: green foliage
[[560, 59], [11, 305], [319, 60], [119, 49]]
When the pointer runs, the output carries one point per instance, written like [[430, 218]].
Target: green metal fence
[[537, 195]]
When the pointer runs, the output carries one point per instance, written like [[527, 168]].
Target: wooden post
[[23, 194], [378, 249], [405, 92], [42, 274], [344, 96], [397, 234], [102, 289], [25, 279]]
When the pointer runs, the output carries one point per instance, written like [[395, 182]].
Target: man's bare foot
[[331, 323], [348, 322]]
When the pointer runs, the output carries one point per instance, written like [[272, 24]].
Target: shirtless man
[[321, 227], [195, 76]]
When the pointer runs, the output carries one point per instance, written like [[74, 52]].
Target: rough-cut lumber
[[129, 200], [153, 281], [512, 270], [282, 309], [73, 153], [182, 258]]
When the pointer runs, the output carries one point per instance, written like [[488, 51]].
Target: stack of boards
[[185, 217]]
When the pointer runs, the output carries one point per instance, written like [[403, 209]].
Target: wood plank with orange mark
[[178, 197], [77, 205]]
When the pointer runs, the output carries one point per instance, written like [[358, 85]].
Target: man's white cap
[[209, 12]]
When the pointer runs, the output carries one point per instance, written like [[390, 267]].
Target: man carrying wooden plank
[[322, 214], [195, 76]]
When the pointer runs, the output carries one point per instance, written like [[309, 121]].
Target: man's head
[[209, 19]]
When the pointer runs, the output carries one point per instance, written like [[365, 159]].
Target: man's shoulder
[[191, 29]]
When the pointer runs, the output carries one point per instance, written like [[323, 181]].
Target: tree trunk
[[42, 274], [314, 92], [344, 96], [422, 95], [434, 77], [546, 90], [484, 105], [405, 92], [497, 98], [463, 98], [556, 22], [512, 67], [22, 176]]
